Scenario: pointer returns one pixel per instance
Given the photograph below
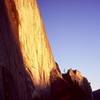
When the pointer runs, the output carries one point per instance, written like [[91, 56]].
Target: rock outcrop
[[96, 94], [27, 67], [73, 86]]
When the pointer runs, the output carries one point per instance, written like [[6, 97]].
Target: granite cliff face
[[25, 53], [27, 67]]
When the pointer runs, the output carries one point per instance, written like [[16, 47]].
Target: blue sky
[[73, 29]]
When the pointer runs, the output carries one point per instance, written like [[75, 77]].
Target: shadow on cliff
[[15, 82], [72, 86]]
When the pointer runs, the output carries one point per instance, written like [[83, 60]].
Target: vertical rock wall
[[25, 54], [25, 17]]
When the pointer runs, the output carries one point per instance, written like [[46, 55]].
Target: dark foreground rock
[[96, 94], [73, 86]]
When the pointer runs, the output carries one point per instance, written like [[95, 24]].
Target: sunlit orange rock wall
[[26, 60], [34, 45]]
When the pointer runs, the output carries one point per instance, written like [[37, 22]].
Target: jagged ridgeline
[[27, 67]]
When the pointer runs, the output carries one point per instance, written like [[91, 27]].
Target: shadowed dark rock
[[96, 94], [73, 86]]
